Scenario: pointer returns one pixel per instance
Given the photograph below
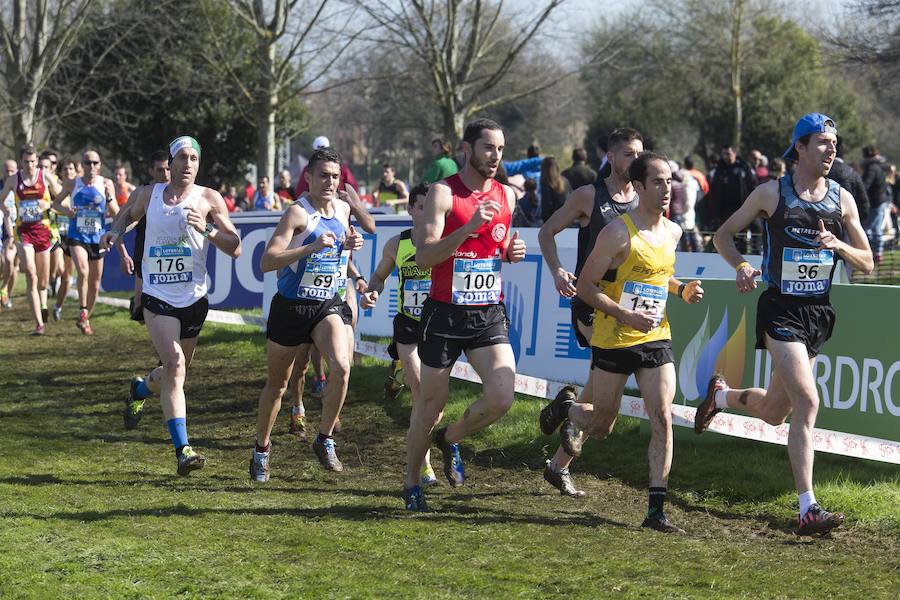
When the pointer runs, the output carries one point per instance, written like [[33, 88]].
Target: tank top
[[415, 282], [89, 203], [605, 211], [122, 197], [321, 274], [471, 276], [174, 261], [642, 282], [792, 262], [29, 215]]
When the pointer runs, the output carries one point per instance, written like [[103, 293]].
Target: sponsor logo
[[498, 232], [707, 354]]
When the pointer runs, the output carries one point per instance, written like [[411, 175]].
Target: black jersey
[[793, 263], [606, 210]]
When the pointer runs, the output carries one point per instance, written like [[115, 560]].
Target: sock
[[43, 306], [563, 409], [297, 411], [263, 449], [84, 309], [807, 499], [142, 390], [657, 498], [721, 398], [178, 433], [320, 439]]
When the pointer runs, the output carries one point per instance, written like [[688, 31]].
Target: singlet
[[642, 282], [388, 192], [471, 276], [264, 202], [606, 210], [792, 262], [122, 197], [89, 203], [174, 261], [321, 274], [415, 282], [28, 198]]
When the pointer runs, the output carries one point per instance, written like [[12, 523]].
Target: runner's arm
[[385, 265], [431, 249], [59, 202], [53, 186], [857, 253], [133, 211], [224, 235], [513, 246], [358, 209], [762, 202], [112, 206], [573, 209], [277, 254]]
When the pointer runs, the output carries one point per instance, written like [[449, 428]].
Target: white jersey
[[174, 261]]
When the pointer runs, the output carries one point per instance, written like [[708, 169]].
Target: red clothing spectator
[[229, 202]]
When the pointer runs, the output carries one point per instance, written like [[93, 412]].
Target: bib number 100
[[479, 281]]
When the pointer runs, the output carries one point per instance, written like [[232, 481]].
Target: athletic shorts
[[346, 312], [64, 244], [406, 329], [37, 237], [93, 250], [140, 233], [447, 330], [191, 317], [291, 322], [809, 321], [628, 360], [584, 314]]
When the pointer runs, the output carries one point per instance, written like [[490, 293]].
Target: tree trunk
[[737, 13], [265, 118]]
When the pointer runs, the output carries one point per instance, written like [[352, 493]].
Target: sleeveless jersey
[[792, 263], [320, 275], [415, 282], [174, 261], [28, 197], [642, 282], [89, 203], [471, 276], [606, 210]]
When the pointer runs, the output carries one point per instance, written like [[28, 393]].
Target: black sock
[[657, 498], [263, 449], [320, 439]]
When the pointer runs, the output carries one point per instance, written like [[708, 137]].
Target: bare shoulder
[[582, 199]]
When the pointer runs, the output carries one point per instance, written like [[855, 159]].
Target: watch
[[358, 277], [208, 230]]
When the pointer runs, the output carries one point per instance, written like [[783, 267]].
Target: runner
[[9, 267], [48, 162], [593, 207], [69, 173], [123, 187], [462, 237], [31, 187], [805, 218], [400, 253], [631, 329], [182, 220], [87, 201], [307, 250]]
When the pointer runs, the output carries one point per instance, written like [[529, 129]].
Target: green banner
[[857, 374]]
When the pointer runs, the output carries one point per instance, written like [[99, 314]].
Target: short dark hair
[[688, 162], [261, 177], [388, 166], [530, 185], [474, 129], [622, 135], [67, 161], [869, 151], [49, 152], [637, 171], [419, 190], [27, 151], [445, 145], [323, 155], [159, 156], [579, 155], [534, 150]]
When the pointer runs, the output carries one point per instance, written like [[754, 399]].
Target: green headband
[[183, 141]]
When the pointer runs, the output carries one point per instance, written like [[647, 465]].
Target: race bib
[[88, 222], [321, 276], [644, 296], [170, 264], [30, 211], [415, 291], [476, 281], [806, 272]]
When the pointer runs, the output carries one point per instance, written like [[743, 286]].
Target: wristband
[[742, 265], [681, 289], [358, 277], [207, 230]]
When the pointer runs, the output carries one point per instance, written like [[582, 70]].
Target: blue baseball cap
[[808, 124]]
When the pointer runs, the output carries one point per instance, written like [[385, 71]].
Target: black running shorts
[[448, 330], [584, 314], [628, 360], [93, 250], [191, 317], [406, 329], [291, 322], [809, 321]]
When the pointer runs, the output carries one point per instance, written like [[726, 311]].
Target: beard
[[482, 167]]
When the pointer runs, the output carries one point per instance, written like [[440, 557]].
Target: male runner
[[593, 207], [87, 201], [9, 268], [415, 282], [47, 162], [463, 236], [123, 187], [308, 251], [68, 172], [805, 218], [182, 220], [31, 187], [631, 330]]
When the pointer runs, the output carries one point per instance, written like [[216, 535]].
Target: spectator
[[554, 188], [241, 202], [228, 197], [604, 170], [249, 192], [285, 189], [690, 240], [759, 163], [850, 181], [778, 170], [579, 173], [873, 176], [443, 166], [265, 198], [390, 189], [529, 167], [698, 175], [528, 208], [731, 183], [346, 175], [893, 186]]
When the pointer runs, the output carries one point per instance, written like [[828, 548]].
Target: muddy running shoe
[[817, 520], [415, 499], [87, 329], [550, 417], [190, 461], [57, 313], [571, 438], [660, 522], [298, 426], [707, 409], [134, 406], [82, 319], [562, 480], [259, 467], [453, 464], [393, 385], [325, 452], [427, 477]]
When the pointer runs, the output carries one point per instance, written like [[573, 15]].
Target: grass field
[[90, 510]]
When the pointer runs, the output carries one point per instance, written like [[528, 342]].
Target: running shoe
[[134, 406], [572, 438], [453, 464], [415, 499], [7, 303], [562, 480], [86, 329], [318, 387], [57, 313], [190, 461], [818, 520], [298, 426], [428, 477], [550, 417], [325, 452], [82, 319], [39, 330], [393, 385], [660, 522], [707, 409], [259, 467]]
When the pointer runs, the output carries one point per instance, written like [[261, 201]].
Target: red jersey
[[471, 276]]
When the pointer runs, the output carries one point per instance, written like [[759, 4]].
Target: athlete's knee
[[601, 424], [174, 364], [774, 418], [339, 367]]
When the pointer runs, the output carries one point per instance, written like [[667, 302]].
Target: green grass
[[90, 510]]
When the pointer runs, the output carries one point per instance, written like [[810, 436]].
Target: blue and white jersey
[[320, 275], [89, 203]]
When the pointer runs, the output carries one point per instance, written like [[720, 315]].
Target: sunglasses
[[92, 162]]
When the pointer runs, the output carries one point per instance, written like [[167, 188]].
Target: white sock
[[721, 398], [807, 499]]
